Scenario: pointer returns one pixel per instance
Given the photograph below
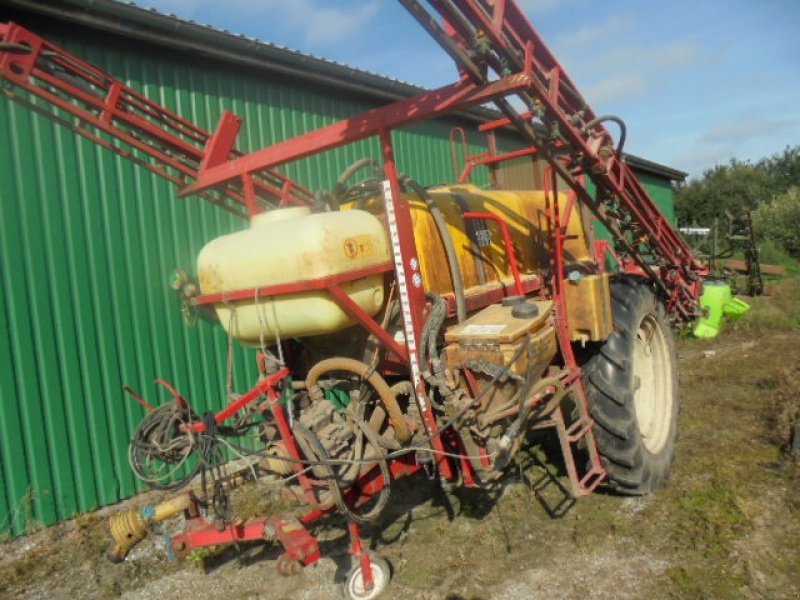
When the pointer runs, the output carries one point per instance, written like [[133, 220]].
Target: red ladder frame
[[90, 102]]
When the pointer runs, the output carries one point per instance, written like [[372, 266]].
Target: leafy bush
[[736, 186], [733, 187], [779, 221], [772, 253]]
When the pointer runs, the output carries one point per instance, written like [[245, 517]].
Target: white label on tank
[[490, 329], [483, 237]]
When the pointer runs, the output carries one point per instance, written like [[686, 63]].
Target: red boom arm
[[95, 105], [498, 53]]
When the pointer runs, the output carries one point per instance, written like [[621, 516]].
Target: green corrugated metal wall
[[87, 243], [660, 190]]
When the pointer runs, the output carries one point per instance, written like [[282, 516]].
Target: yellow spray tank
[[484, 261], [286, 246], [291, 245]]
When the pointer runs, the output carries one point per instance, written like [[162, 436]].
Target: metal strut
[[87, 100], [488, 39]]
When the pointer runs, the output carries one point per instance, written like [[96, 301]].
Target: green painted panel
[[87, 243], [660, 190]]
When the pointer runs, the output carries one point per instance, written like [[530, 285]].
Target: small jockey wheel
[[355, 588]]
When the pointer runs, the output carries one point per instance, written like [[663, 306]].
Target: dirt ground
[[726, 526]]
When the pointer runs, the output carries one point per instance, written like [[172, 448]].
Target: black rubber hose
[[319, 453], [449, 247], [623, 129], [440, 312], [428, 353], [340, 189]]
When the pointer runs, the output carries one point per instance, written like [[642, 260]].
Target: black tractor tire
[[632, 387]]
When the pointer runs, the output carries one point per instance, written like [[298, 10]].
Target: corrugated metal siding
[[660, 190], [87, 243]]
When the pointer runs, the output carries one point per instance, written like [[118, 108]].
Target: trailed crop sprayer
[[400, 328]]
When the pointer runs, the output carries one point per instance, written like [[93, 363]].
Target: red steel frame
[[119, 118], [300, 546], [512, 259], [469, 26], [481, 36]]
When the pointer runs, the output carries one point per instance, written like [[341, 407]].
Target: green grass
[[778, 312]]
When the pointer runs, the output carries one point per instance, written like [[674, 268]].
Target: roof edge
[[648, 166], [152, 26]]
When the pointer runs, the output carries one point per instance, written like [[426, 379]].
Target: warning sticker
[[484, 329], [357, 246]]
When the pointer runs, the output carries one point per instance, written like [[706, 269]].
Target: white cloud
[[746, 137], [677, 55], [610, 72], [697, 159], [623, 86], [669, 56], [746, 129], [318, 21], [329, 25], [604, 33]]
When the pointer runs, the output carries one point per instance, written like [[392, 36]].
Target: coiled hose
[[351, 365], [315, 450]]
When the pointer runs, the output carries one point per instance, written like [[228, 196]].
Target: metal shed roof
[[153, 26]]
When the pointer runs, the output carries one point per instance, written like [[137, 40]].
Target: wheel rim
[[356, 588], [654, 395]]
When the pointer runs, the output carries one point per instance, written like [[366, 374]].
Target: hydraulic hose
[[340, 188], [311, 445], [449, 247], [15, 48], [510, 441], [351, 365], [623, 130], [428, 352]]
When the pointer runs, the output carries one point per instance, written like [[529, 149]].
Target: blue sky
[[697, 82]]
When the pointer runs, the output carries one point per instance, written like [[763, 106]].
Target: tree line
[[769, 187]]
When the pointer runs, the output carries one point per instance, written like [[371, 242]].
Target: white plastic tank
[[286, 246]]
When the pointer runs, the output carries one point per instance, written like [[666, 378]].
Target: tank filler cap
[[524, 310]]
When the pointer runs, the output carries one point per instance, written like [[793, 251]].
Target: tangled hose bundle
[[162, 446]]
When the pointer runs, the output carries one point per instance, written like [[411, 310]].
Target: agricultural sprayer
[[399, 328]]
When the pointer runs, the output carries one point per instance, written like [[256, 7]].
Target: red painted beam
[[435, 103], [293, 287]]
